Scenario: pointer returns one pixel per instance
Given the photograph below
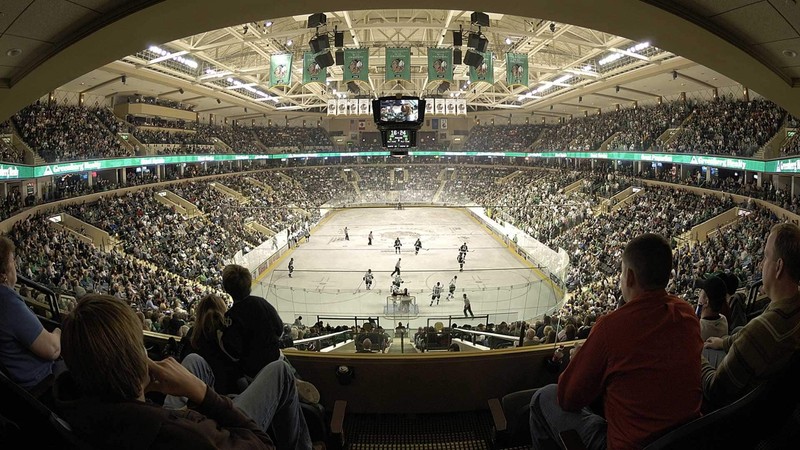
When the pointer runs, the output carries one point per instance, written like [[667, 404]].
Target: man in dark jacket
[[254, 326]]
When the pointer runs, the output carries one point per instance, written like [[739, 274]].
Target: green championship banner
[[356, 64], [484, 72], [398, 64], [312, 72], [440, 64], [280, 70], [517, 69]]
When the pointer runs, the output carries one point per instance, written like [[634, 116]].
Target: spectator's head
[[210, 318], [646, 265], [530, 334], [8, 267], [781, 267], [713, 293], [569, 332], [454, 348], [367, 344], [102, 345], [731, 282], [236, 281]]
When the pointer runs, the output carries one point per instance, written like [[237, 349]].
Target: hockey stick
[[359, 286]]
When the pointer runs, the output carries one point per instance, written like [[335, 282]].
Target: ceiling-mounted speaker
[[338, 39], [339, 57], [478, 42], [456, 56], [319, 43], [473, 58], [480, 19], [317, 20], [458, 39], [324, 59]]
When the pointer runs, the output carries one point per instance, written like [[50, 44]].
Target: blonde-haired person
[[102, 396], [28, 352]]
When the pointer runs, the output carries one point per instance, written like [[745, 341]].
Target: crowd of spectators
[[791, 147], [535, 202], [241, 140], [112, 122], [501, 138], [9, 153], [326, 184], [152, 232], [300, 138], [640, 127], [738, 248], [471, 183], [729, 127], [63, 133], [57, 258]]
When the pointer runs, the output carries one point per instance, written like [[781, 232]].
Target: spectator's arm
[[752, 353], [47, 345], [583, 380]]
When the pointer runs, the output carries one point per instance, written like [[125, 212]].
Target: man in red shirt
[[641, 361]]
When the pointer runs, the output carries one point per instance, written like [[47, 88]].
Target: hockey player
[[417, 246], [396, 285], [368, 279], [452, 288], [397, 245], [346, 234], [369, 238], [460, 260], [462, 251], [291, 267], [467, 307], [436, 294], [396, 268]]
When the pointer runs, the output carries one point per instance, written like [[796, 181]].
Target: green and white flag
[[398, 64], [517, 69], [312, 72], [484, 72], [440, 64], [280, 70], [356, 64]]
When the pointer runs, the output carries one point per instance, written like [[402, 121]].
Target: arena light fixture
[[177, 56], [632, 51]]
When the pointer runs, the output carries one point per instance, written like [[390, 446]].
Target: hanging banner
[[363, 106], [312, 72], [439, 106], [517, 69], [352, 106], [341, 109], [484, 72], [280, 70], [440, 64], [429, 106], [331, 107], [398, 64], [356, 64], [461, 107], [450, 106]]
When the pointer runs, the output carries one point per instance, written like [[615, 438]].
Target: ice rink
[[328, 270]]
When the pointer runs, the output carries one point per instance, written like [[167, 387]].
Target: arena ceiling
[[85, 45]]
